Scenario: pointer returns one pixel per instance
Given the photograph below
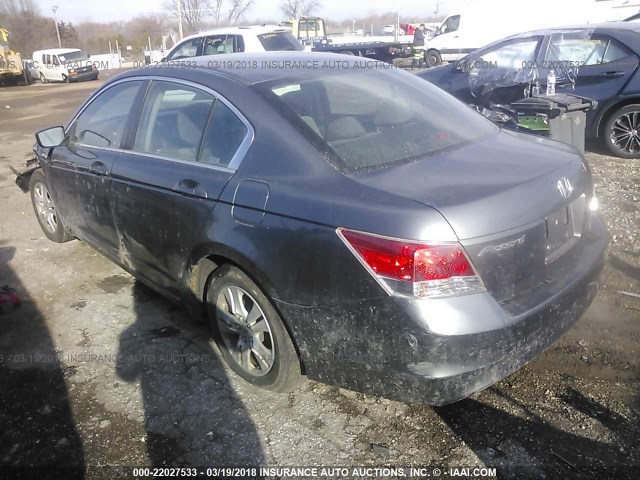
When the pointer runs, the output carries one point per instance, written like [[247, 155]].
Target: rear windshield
[[376, 118], [280, 41]]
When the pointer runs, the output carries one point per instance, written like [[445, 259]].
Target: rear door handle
[[612, 74], [98, 168], [190, 187]]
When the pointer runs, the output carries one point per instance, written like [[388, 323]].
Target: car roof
[[610, 26], [254, 29], [253, 68]]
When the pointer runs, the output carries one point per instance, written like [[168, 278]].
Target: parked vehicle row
[[359, 226]]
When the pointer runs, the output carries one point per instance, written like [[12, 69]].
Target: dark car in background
[[599, 62], [346, 222]]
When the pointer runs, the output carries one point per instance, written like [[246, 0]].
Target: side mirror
[[50, 137]]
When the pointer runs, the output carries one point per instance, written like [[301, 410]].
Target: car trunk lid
[[518, 204]]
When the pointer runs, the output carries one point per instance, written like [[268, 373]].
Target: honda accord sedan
[[334, 218]]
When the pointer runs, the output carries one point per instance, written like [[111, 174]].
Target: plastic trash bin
[[562, 117]]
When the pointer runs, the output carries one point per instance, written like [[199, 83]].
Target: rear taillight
[[408, 268]]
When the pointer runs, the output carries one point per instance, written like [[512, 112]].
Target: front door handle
[[98, 168], [190, 187]]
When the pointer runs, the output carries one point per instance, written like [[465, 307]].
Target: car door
[[186, 146], [500, 73], [600, 65], [79, 171]]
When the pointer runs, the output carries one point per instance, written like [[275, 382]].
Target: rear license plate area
[[560, 234]]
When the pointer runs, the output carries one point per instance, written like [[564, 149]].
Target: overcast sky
[[101, 10]]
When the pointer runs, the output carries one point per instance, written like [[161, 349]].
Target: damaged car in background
[[598, 62], [357, 226]]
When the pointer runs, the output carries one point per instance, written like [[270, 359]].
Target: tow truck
[[311, 31], [12, 68]]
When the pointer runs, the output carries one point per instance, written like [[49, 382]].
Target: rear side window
[[173, 121], [280, 41], [103, 122], [373, 119], [584, 50], [224, 136]]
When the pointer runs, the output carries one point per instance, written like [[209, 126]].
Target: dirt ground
[[97, 370]]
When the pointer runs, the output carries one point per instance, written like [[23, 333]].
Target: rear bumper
[[436, 351]]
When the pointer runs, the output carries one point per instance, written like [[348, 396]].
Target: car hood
[[494, 185]]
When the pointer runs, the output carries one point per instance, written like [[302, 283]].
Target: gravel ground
[[98, 370]]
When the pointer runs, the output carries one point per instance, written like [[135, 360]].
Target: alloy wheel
[[625, 132], [45, 207], [245, 331]]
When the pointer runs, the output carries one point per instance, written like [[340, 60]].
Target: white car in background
[[264, 38]]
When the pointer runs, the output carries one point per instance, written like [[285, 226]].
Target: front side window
[[511, 56], [103, 122], [451, 25], [188, 49], [375, 119], [584, 50]]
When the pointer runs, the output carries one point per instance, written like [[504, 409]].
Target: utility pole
[[180, 19], [54, 9]]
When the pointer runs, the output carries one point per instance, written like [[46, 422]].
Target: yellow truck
[[12, 68]]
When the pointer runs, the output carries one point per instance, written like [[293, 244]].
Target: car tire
[[432, 58], [45, 209], [65, 79], [624, 120], [43, 79], [254, 343]]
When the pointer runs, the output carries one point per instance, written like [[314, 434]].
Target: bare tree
[[193, 12], [28, 29], [237, 9], [299, 8]]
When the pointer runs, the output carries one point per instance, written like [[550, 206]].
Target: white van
[[64, 65], [479, 23]]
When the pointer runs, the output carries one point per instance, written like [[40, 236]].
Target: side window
[[173, 120], [56, 62], [584, 50], [512, 56], [224, 136], [214, 45], [239, 43], [47, 59], [451, 25], [188, 49], [103, 122]]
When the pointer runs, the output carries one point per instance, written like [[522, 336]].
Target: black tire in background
[[45, 209], [257, 336], [621, 132], [432, 58]]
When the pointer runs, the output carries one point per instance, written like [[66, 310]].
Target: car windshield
[[280, 41], [73, 56], [372, 119]]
